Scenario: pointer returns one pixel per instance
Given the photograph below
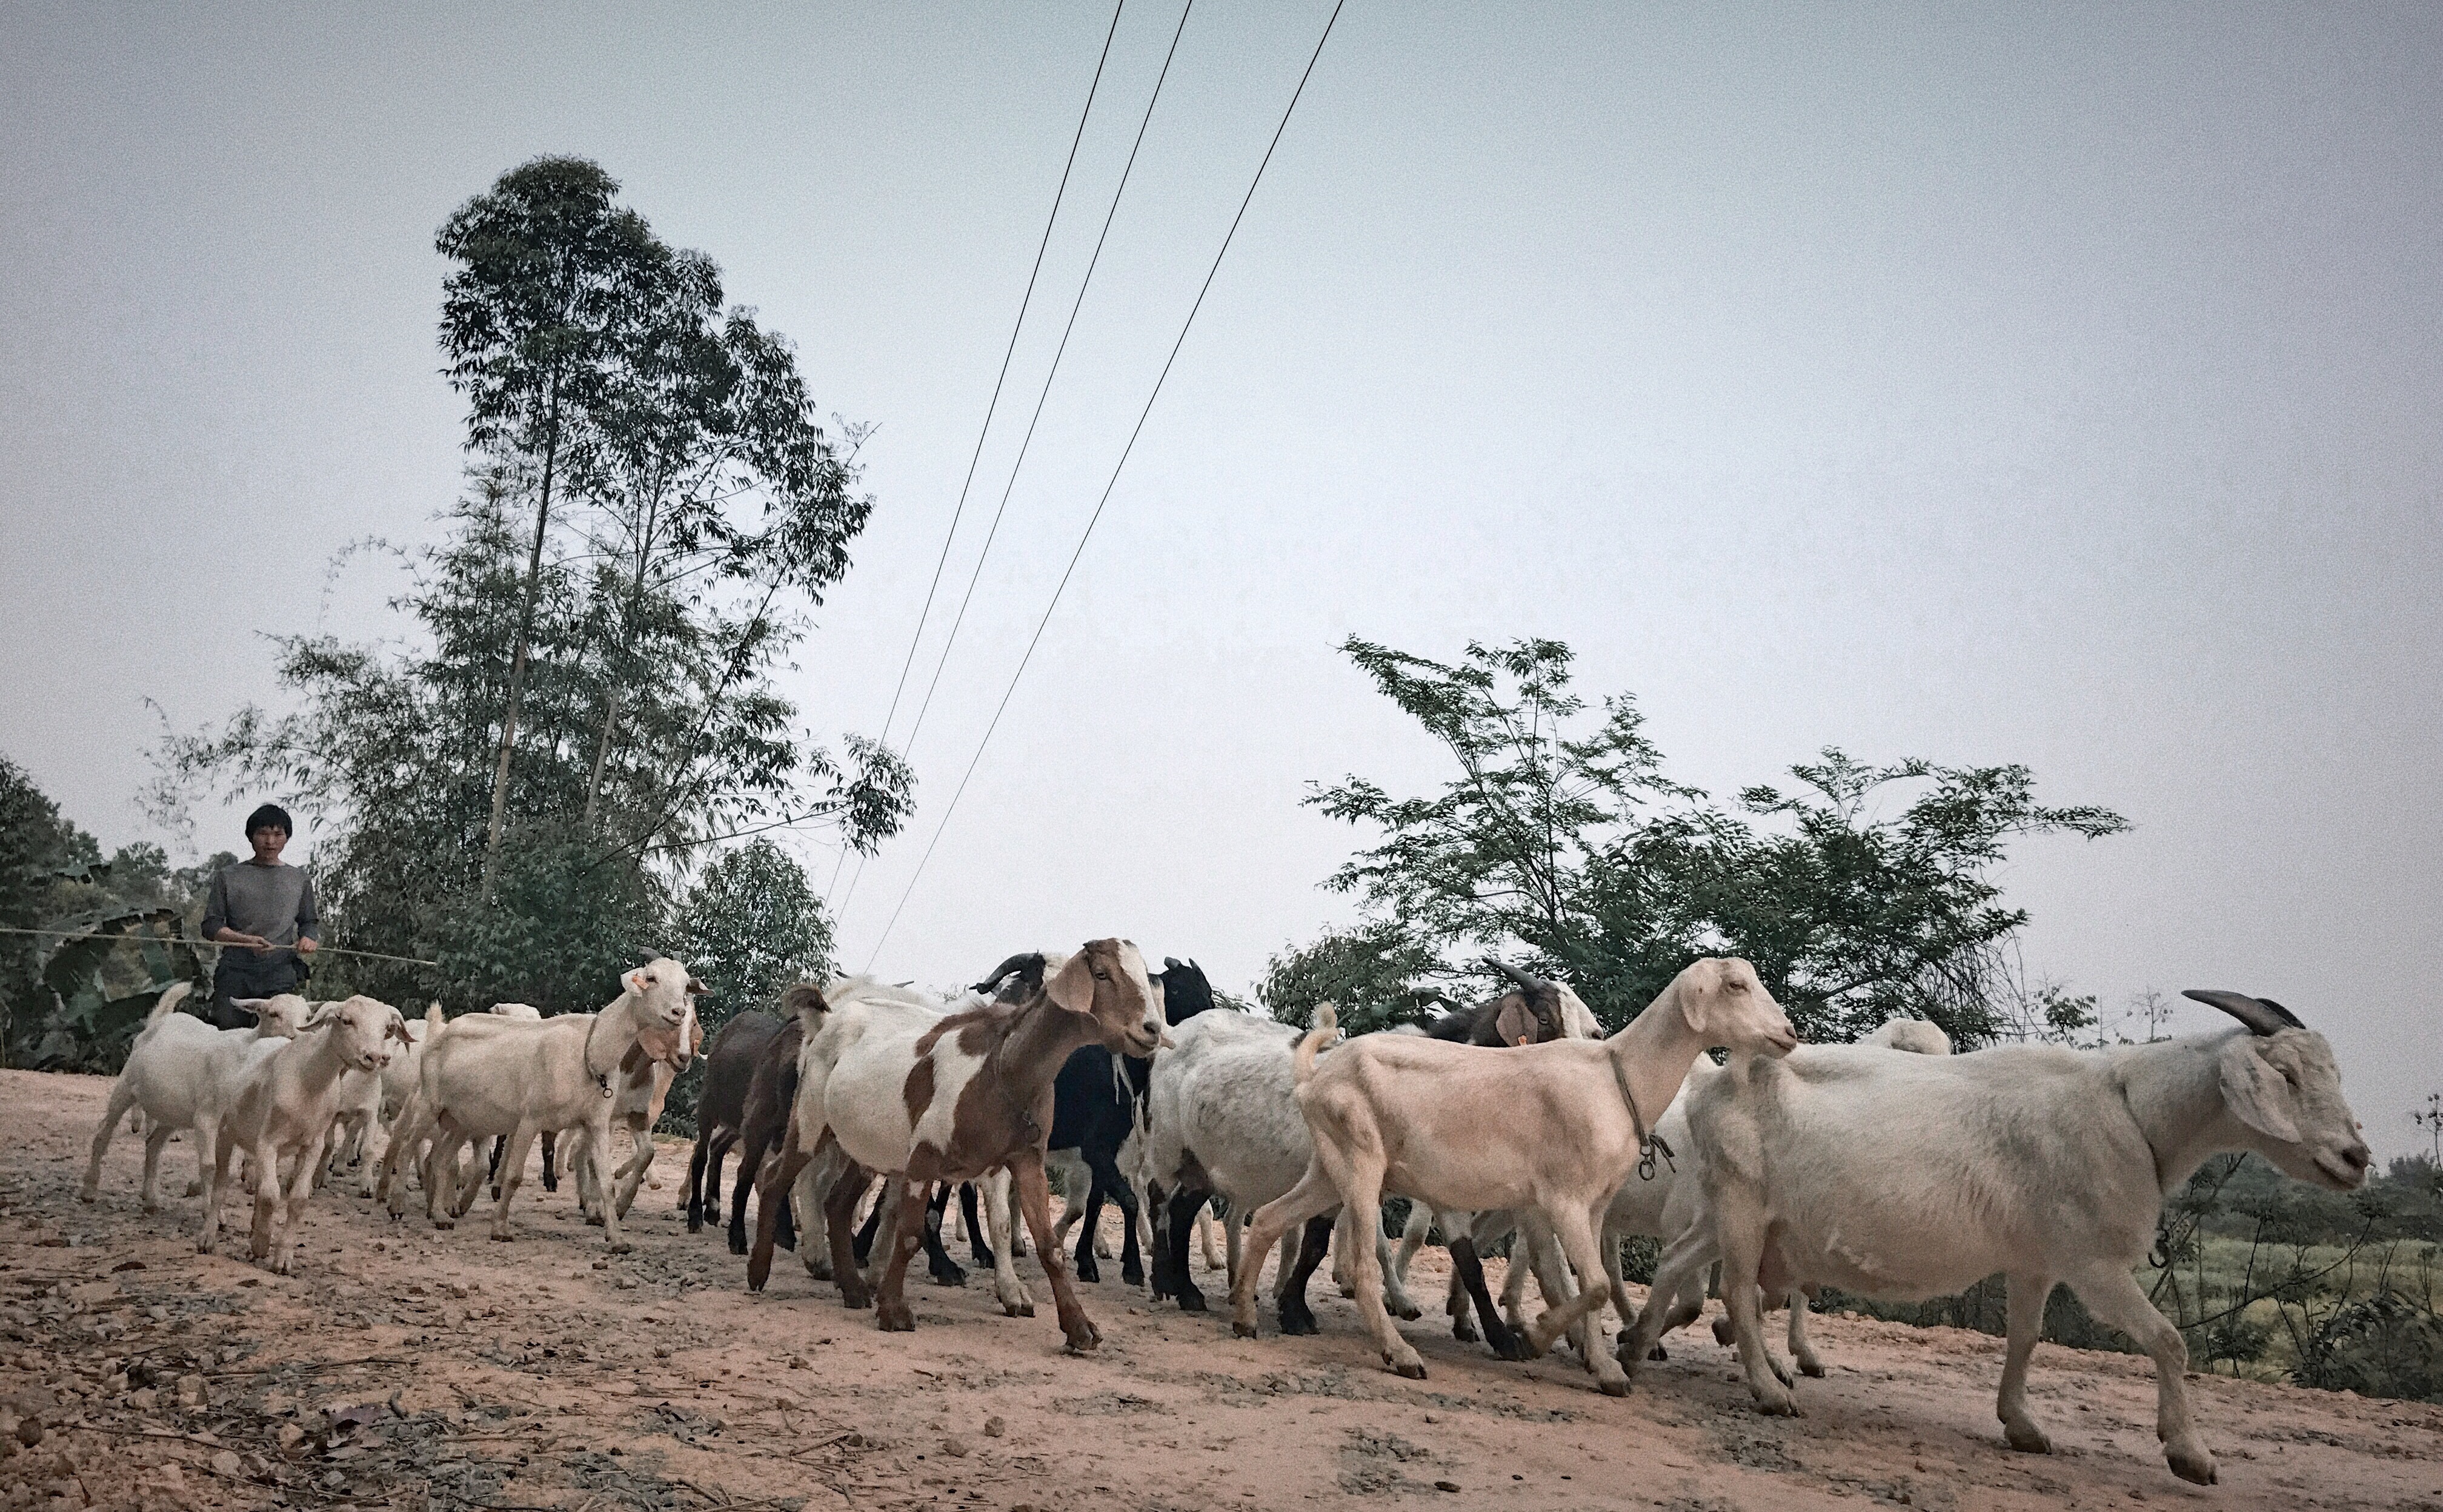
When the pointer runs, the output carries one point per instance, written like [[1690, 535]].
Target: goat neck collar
[[1636, 1120], [602, 1074]]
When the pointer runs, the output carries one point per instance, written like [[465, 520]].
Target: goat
[[1905, 1176], [1663, 1199], [489, 1076], [951, 1099], [524, 1014], [284, 1107], [1222, 1118], [1095, 1103], [729, 1061], [181, 1072], [1554, 1127], [821, 1182], [370, 1100], [646, 1073], [1534, 1012]]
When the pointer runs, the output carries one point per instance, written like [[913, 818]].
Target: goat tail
[[434, 1021], [1327, 1028], [168, 1002]]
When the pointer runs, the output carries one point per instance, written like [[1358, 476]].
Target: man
[[266, 906]]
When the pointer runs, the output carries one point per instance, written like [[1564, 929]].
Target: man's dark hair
[[270, 816]]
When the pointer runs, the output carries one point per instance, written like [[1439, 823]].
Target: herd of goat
[[1888, 1169]]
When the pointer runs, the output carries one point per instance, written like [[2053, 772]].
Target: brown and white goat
[[907, 1092]]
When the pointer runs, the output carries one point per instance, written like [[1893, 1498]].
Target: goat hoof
[[1244, 1330], [1613, 1386], [1018, 1309], [2027, 1438], [1509, 1346], [950, 1277], [1084, 1339], [1409, 1314], [1462, 1330], [1413, 1369], [1132, 1278], [1657, 1352], [1723, 1334], [737, 1246], [87, 1195], [445, 1223], [2194, 1465], [1298, 1324], [1192, 1301], [1811, 1368], [895, 1320], [1087, 1270]]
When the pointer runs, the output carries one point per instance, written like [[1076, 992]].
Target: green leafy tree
[[73, 997], [751, 927], [1558, 835], [1367, 973], [654, 510], [549, 275]]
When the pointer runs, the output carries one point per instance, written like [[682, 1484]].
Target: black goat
[[729, 1065]]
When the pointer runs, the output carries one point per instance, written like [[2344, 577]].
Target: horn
[[2262, 1015], [1529, 983], [1170, 963], [1015, 963]]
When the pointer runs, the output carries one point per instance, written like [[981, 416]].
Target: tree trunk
[[601, 753], [611, 693], [518, 659]]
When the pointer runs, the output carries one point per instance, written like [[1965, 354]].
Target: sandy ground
[[419, 1369]]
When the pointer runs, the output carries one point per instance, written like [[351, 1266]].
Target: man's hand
[[306, 945], [253, 942]]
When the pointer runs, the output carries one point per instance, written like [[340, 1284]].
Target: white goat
[[1535, 1245], [645, 1076], [1666, 1195], [485, 1076], [285, 1108], [1222, 1118], [181, 1072], [1555, 1127], [371, 1101], [1906, 1176]]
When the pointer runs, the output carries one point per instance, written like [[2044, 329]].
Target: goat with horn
[[1907, 1176]]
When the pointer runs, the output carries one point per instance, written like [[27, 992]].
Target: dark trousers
[[243, 973]]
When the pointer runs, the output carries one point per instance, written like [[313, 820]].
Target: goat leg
[[944, 1272], [1470, 1271], [1296, 1317]]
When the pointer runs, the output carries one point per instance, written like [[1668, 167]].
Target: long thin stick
[[63, 935]]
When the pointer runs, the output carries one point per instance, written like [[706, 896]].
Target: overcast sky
[[2052, 385]]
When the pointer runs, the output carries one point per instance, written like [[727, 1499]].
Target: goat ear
[[637, 981], [316, 1019], [397, 1029], [1516, 1023], [2256, 1093], [697, 989], [1694, 990], [1072, 987]]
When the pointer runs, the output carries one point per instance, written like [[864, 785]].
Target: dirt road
[[420, 1369]]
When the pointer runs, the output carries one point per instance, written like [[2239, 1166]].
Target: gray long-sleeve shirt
[[274, 901]]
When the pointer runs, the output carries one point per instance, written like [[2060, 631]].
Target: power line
[[1113, 482], [1027, 298], [910, 744]]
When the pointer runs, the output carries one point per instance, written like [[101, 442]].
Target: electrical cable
[[1113, 482]]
